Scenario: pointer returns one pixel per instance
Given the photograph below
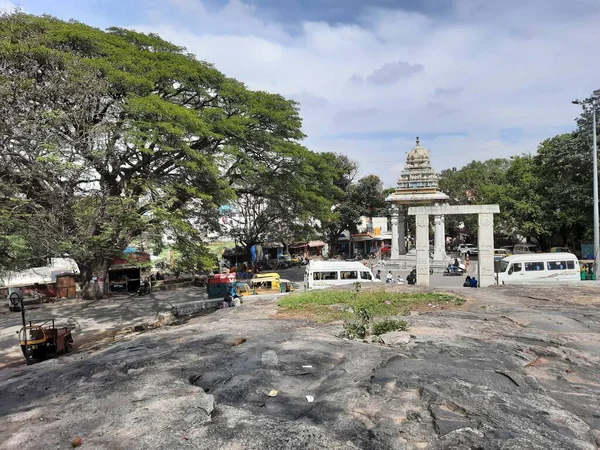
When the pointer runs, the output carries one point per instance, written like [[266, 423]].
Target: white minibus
[[322, 274], [539, 267]]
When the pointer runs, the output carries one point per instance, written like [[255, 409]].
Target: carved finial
[[418, 140]]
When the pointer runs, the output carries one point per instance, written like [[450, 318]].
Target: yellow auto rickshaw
[[270, 285]]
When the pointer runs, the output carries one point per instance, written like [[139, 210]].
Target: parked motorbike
[[144, 288]]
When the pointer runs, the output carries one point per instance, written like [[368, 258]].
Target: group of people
[[159, 276], [389, 278], [470, 282], [231, 300]]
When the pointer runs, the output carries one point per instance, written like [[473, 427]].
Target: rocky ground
[[512, 368]]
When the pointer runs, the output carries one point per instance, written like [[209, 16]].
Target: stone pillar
[[485, 238], [395, 253], [422, 244], [401, 231], [444, 256], [438, 239]]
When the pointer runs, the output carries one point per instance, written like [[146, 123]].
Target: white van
[[322, 274], [539, 267]]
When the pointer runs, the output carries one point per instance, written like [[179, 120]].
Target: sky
[[474, 79]]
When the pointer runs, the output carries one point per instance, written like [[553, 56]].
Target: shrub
[[389, 325], [360, 327]]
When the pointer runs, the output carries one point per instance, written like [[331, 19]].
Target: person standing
[[378, 275], [389, 278]]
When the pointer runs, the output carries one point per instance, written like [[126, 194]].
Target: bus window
[[517, 267], [532, 266], [349, 275], [365, 276], [570, 264], [557, 265], [325, 275]]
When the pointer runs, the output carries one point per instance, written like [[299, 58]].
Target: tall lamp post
[[594, 102]]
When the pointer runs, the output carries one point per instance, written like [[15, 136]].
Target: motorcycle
[[144, 288], [454, 271]]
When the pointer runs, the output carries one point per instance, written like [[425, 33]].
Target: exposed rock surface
[[395, 338], [513, 368]]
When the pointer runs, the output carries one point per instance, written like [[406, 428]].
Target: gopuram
[[417, 186]]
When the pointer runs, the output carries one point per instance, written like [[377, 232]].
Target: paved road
[[296, 275], [91, 320]]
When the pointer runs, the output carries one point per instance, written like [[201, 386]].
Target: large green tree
[[106, 134], [564, 168]]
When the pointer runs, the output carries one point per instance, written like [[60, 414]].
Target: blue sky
[[475, 79]]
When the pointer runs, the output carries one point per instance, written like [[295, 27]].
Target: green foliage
[[129, 134], [470, 185], [547, 196], [388, 325], [353, 200], [359, 328]]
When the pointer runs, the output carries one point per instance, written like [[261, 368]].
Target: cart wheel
[[69, 347]]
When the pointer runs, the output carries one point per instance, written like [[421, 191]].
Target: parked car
[[521, 249], [467, 249], [501, 253], [561, 250]]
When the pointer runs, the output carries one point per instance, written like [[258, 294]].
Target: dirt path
[[512, 368]]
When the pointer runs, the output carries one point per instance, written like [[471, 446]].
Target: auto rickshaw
[[43, 339], [270, 285]]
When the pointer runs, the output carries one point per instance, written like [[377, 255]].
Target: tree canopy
[[108, 134], [546, 196]]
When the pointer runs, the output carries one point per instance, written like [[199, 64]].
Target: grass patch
[[330, 305]]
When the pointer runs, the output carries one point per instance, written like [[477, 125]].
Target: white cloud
[[7, 7], [462, 78]]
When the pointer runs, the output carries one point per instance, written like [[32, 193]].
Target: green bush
[[359, 329], [389, 325]]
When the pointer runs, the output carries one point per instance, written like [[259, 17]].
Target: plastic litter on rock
[[310, 398], [307, 367], [273, 393]]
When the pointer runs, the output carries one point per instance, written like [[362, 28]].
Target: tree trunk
[[95, 279], [333, 242]]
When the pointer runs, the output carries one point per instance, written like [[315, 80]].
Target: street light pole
[[596, 217], [594, 102]]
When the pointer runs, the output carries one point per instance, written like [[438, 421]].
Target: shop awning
[[298, 245], [316, 244]]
